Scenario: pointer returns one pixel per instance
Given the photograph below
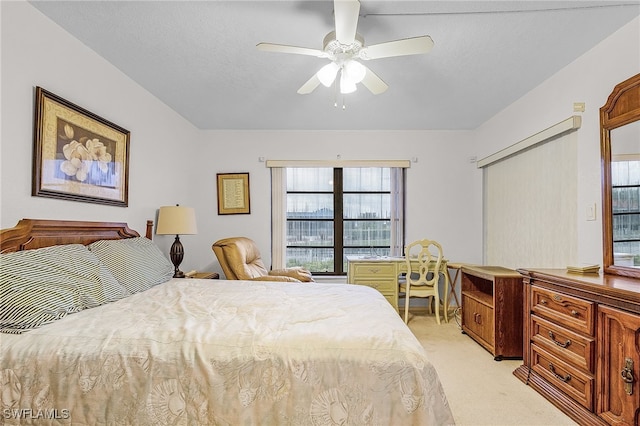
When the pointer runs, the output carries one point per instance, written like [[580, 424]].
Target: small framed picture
[[78, 155], [233, 193]]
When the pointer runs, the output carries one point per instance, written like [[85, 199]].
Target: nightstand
[[206, 275]]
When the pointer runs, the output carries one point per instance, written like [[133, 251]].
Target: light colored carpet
[[480, 391]]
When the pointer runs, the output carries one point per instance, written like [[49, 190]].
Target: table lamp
[[176, 220]]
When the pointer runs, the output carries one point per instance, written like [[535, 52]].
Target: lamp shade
[[355, 71], [346, 85], [176, 220], [327, 74]]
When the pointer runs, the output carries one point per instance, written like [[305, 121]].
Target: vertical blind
[[530, 206]]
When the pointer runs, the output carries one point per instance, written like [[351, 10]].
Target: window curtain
[[397, 211], [278, 217]]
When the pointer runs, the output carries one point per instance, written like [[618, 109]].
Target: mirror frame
[[622, 107]]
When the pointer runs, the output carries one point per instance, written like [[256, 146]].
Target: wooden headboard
[[36, 233]]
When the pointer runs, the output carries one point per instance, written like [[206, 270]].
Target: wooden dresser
[[582, 344]]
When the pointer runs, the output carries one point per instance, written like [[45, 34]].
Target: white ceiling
[[199, 57]]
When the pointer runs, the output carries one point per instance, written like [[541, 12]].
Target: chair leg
[[406, 309], [437, 301], [447, 284], [446, 309]]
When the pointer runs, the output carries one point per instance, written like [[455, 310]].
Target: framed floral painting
[[78, 155]]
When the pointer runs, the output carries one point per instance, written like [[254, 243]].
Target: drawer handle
[[558, 376], [562, 345], [543, 301], [627, 376], [374, 270], [477, 318], [574, 313]]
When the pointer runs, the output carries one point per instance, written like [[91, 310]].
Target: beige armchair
[[240, 259]]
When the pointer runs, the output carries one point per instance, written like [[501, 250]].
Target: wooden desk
[[452, 282], [382, 274]]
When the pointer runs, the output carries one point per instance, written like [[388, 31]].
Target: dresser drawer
[[571, 347], [570, 312], [575, 383], [374, 270]]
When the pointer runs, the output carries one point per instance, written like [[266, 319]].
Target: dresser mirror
[[620, 147]]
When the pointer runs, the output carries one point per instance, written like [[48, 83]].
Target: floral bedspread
[[216, 352]]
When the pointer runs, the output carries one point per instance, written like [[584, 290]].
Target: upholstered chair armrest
[[278, 278], [297, 272]]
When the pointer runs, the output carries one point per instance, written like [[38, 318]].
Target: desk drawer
[[374, 270], [383, 286], [575, 383], [575, 314], [571, 347]]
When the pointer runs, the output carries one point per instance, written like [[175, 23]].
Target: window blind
[[530, 206]]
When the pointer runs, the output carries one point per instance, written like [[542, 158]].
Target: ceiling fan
[[344, 47]]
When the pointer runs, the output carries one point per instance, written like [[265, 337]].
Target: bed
[[197, 351]]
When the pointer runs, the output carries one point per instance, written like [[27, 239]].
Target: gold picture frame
[[233, 193], [78, 155]]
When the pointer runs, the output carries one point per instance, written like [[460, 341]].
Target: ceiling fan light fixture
[[355, 71], [345, 48], [327, 74], [347, 85]]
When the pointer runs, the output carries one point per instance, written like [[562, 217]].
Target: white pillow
[[137, 263]]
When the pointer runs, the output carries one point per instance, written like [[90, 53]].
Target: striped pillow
[[43, 285], [137, 263]]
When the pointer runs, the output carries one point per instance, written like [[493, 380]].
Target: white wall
[[444, 187], [37, 52], [589, 79]]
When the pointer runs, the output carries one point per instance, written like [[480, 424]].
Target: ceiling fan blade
[[374, 83], [310, 85], [346, 18], [283, 48], [407, 46]]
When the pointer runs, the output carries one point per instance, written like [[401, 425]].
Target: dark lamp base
[[176, 254]]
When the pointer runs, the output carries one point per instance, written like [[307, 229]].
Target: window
[[625, 202], [332, 212]]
